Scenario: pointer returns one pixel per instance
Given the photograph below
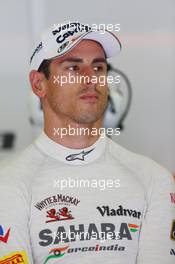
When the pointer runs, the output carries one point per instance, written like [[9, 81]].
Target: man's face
[[78, 99]]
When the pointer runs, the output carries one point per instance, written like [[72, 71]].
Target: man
[[81, 198]]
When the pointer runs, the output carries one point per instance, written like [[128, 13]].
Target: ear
[[37, 82]]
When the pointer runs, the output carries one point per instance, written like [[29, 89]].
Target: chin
[[88, 115], [88, 118]]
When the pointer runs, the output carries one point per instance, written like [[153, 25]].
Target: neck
[[71, 134]]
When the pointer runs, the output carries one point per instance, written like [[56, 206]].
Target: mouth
[[89, 97]]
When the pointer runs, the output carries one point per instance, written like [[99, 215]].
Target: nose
[[89, 77]]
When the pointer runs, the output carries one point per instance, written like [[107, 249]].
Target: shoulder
[[144, 167], [20, 169]]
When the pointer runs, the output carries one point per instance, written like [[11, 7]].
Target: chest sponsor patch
[[58, 199], [119, 211], [172, 233], [56, 207], [78, 156], [61, 251], [172, 196], [14, 258], [172, 252], [62, 214], [81, 232], [4, 236]]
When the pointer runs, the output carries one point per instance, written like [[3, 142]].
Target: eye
[[72, 68], [99, 68]]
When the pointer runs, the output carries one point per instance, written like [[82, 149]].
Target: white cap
[[61, 38]]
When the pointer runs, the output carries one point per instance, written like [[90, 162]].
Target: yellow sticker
[[15, 258]]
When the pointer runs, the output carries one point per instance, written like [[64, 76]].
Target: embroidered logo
[[78, 156], [4, 237]]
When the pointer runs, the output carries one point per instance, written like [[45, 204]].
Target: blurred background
[[147, 59]]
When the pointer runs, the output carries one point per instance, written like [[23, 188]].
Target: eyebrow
[[79, 60]]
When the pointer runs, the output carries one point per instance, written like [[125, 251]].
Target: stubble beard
[[86, 117], [79, 116]]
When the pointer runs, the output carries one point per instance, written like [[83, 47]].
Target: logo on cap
[[62, 47], [69, 30], [38, 48]]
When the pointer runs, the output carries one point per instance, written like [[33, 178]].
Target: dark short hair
[[45, 68]]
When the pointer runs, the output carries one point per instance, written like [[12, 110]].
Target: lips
[[90, 97]]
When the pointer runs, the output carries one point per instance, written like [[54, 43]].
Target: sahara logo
[[62, 214], [4, 237], [83, 232], [56, 253]]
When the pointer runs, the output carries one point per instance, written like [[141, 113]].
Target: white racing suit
[[101, 204]]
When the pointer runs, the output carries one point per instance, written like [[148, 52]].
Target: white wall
[[147, 34]]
